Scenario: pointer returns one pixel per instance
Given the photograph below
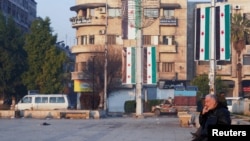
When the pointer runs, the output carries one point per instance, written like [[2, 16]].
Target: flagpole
[[212, 51]]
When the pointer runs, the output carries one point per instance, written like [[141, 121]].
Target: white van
[[43, 102], [231, 101]]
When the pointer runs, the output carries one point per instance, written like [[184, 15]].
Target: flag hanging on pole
[[150, 65], [130, 65], [222, 21], [202, 43]]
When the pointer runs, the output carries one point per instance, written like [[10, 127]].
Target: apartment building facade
[[22, 11], [163, 25], [227, 70]]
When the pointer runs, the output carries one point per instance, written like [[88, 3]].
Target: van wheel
[[157, 112]]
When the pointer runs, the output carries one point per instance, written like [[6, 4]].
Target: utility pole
[[93, 83], [138, 86], [106, 61], [140, 22], [212, 50], [139, 74]]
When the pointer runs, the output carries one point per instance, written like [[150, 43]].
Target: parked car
[[166, 107], [231, 101]]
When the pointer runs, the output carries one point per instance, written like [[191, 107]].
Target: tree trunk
[[239, 76], [101, 103]]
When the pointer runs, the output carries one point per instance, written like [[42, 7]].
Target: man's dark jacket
[[218, 116]]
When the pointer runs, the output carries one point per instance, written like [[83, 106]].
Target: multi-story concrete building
[[22, 11], [163, 25], [228, 69]]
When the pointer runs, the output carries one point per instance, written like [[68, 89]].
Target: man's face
[[210, 103]]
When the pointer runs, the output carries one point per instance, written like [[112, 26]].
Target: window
[[168, 13], [60, 100], [221, 62], [91, 12], [246, 60], [146, 40], [167, 67], [91, 39], [168, 40], [151, 13], [80, 66], [26, 100], [56, 100], [83, 66], [52, 100], [38, 100], [114, 12], [111, 39], [44, 100], [83, 40]]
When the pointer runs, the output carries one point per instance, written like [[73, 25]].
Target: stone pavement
[[164, 128]]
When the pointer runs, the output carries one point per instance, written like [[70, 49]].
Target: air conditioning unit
[[237, 7], [102, 10], [101, 32], [218, 67]]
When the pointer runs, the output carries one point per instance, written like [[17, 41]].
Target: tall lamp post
[[93, 83], [212, 51], [140, 23], [106, 62]]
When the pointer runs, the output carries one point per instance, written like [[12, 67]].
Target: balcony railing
[[167, 75], [78, 75], [224, 70], [79, 21], [166, 48], [221, 70], [246, 70], [87, 48], [169, 21]]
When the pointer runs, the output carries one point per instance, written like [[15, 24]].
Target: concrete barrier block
[[184, 120], [7, 113]]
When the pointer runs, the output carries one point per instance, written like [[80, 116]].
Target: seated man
[[213, 113]]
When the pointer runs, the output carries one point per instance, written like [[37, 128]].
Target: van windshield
[[26, 100]]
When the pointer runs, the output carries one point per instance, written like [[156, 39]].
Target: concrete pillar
[[78, 106]]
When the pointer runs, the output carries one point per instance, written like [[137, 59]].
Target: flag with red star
[[202, 34], [150, 68], [130, 65], [222, 33], [222, 25]]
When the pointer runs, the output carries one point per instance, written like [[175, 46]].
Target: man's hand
[[205, 110]]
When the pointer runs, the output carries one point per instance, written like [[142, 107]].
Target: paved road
[[108, 129]]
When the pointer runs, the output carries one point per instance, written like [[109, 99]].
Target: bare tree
[[96, 67]]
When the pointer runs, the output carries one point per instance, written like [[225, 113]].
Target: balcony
[[246, 70], [224, 70], [221, 70], [78, 75], [87, 48], [84, 21], [166, 75], [167, 48], [151, 4], [164, 21]]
